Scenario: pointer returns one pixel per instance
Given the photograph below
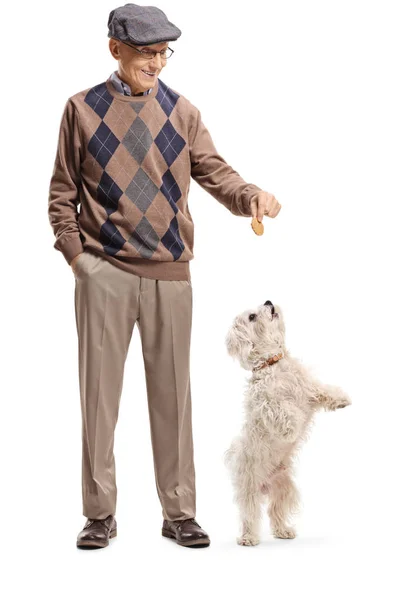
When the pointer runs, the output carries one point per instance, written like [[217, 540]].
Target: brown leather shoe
[[186, 533], [97, 532]]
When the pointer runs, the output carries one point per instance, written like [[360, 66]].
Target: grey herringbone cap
[[141, 25]]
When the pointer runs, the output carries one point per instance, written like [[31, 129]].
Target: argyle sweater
[[126, 162]]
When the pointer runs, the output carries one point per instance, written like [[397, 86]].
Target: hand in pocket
[[74, 261]]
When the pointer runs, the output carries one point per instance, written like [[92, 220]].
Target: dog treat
[[257, 226]]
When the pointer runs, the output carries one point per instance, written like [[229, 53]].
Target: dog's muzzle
[[269, 303]]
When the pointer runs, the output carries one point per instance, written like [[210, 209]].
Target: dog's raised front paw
[[285, 533], [248, 540], [340, 403]]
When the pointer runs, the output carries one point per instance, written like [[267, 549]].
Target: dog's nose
[[269, 303]]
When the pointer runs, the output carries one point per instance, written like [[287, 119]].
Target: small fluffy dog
[[280, 401]]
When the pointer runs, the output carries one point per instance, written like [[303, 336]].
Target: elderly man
[[127, 148]]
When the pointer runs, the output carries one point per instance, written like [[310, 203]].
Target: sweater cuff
[[70, 248], [248, 193]]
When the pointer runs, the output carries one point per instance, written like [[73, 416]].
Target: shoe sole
[[93, 544], [190, 543]]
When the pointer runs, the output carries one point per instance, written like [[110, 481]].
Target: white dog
[[281, 399]]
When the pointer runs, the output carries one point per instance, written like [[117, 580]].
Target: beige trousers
[[108, 303]]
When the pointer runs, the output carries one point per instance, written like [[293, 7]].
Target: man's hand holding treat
[[263, 203]]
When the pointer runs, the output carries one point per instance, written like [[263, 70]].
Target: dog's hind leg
[[246, 482], [283, 502], [250, 516]]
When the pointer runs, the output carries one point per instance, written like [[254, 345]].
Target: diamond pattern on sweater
[[137, 106], [171, 190], [138, 140], [144, 238], [169, 142], [103, 144], [141, 190], [166, 98], [108, 193], [110, 238], [99, 99], [172, 240]]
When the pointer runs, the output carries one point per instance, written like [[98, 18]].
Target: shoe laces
[[91, 521], [191, 520]]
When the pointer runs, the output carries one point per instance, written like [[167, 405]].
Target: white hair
[[280, 401]]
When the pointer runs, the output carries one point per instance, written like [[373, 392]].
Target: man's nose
[[157, 61]]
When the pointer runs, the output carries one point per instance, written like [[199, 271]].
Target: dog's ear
[[237, 344]]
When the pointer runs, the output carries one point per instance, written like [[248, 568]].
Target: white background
[[302, 99]]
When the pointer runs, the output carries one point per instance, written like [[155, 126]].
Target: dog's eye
[[252, 317]]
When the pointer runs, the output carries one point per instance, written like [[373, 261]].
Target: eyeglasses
[[149, 54]]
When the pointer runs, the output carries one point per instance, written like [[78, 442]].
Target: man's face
[[134, 66]]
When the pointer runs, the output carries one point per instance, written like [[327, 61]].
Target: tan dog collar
[[270, 361]]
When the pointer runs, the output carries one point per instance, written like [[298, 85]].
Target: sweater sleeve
[[213, 173], [64, 186]]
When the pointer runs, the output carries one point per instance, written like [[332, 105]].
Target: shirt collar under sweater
[[124, 88]]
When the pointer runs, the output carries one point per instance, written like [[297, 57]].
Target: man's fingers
[[274, 210], [254, 206], [272, 206], [264, 204]]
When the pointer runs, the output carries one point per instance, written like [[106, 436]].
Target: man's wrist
[[71, 248]]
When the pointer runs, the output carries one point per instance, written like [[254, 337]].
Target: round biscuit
[[257, 226]]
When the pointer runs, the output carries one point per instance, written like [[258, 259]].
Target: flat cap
[[141, 25]]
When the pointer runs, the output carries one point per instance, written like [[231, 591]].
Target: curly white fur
[[280, 401]]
